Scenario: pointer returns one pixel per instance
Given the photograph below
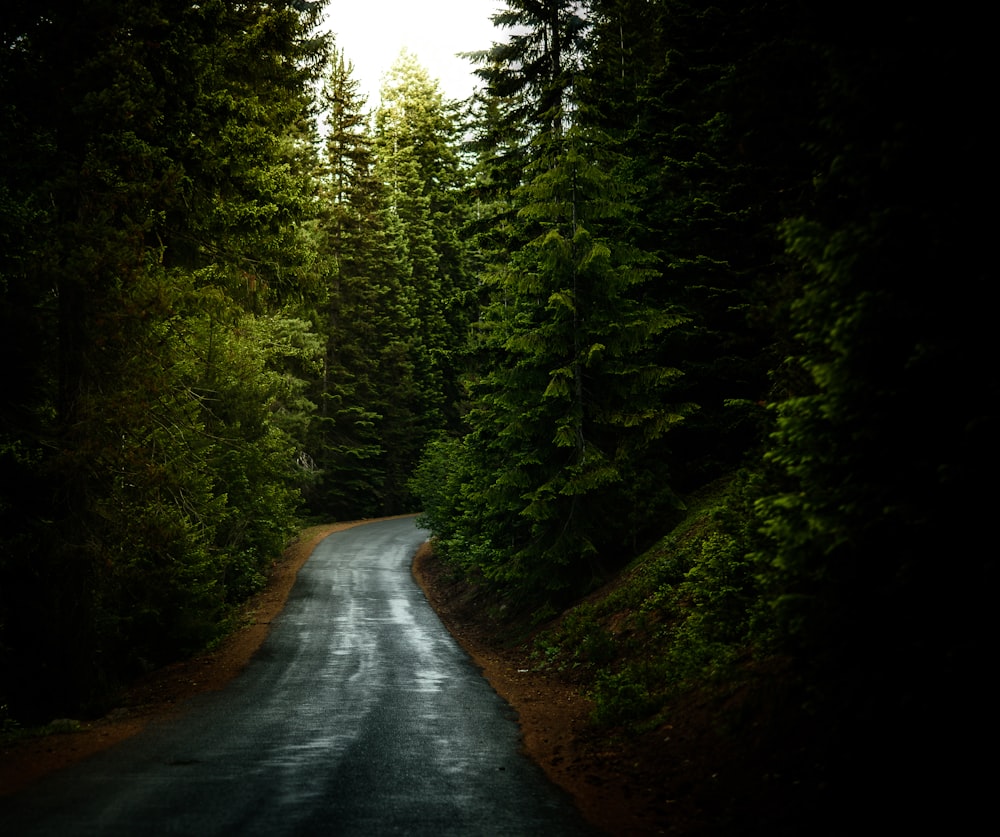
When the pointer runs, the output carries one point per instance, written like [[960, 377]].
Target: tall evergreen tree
[[574, 400], [158, 138], [368, 389], [417, 147], [345, 440], [535, 68], [571, 398], [712, 106]]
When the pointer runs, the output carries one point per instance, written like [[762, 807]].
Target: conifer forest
[[672, 256]]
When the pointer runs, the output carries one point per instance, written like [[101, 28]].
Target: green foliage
[[686, 613], [669, 217], [437, 480], [11, 731], [394, 314], [416, 137], [450, 489], [354, 314], [621, 697], [534, 69], [582, 630], [873, 447], [571, 400], [161, 404]]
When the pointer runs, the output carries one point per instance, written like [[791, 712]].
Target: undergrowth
[[684, 614], [11, 731]]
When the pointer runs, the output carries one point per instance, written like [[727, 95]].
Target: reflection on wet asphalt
[[359, 715]]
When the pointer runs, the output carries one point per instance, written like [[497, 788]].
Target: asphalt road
[[360, 715]]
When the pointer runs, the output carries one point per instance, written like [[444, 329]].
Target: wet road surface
[[360, 715]]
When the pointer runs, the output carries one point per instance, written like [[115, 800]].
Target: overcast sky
[[372, 33]]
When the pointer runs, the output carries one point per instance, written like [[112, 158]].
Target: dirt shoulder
[[623, 784], [161, 693], [553, 714]]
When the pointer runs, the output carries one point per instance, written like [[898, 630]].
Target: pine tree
[[416, 142], [712, 108], [162, 148], [574, 398], [571, 397], [535, 68], [346, 441]]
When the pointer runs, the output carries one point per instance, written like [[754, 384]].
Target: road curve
[[359, 715]]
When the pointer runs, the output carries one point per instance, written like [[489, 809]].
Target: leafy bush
[[622, 697]]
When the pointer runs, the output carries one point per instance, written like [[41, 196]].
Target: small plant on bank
[[681, 618]]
